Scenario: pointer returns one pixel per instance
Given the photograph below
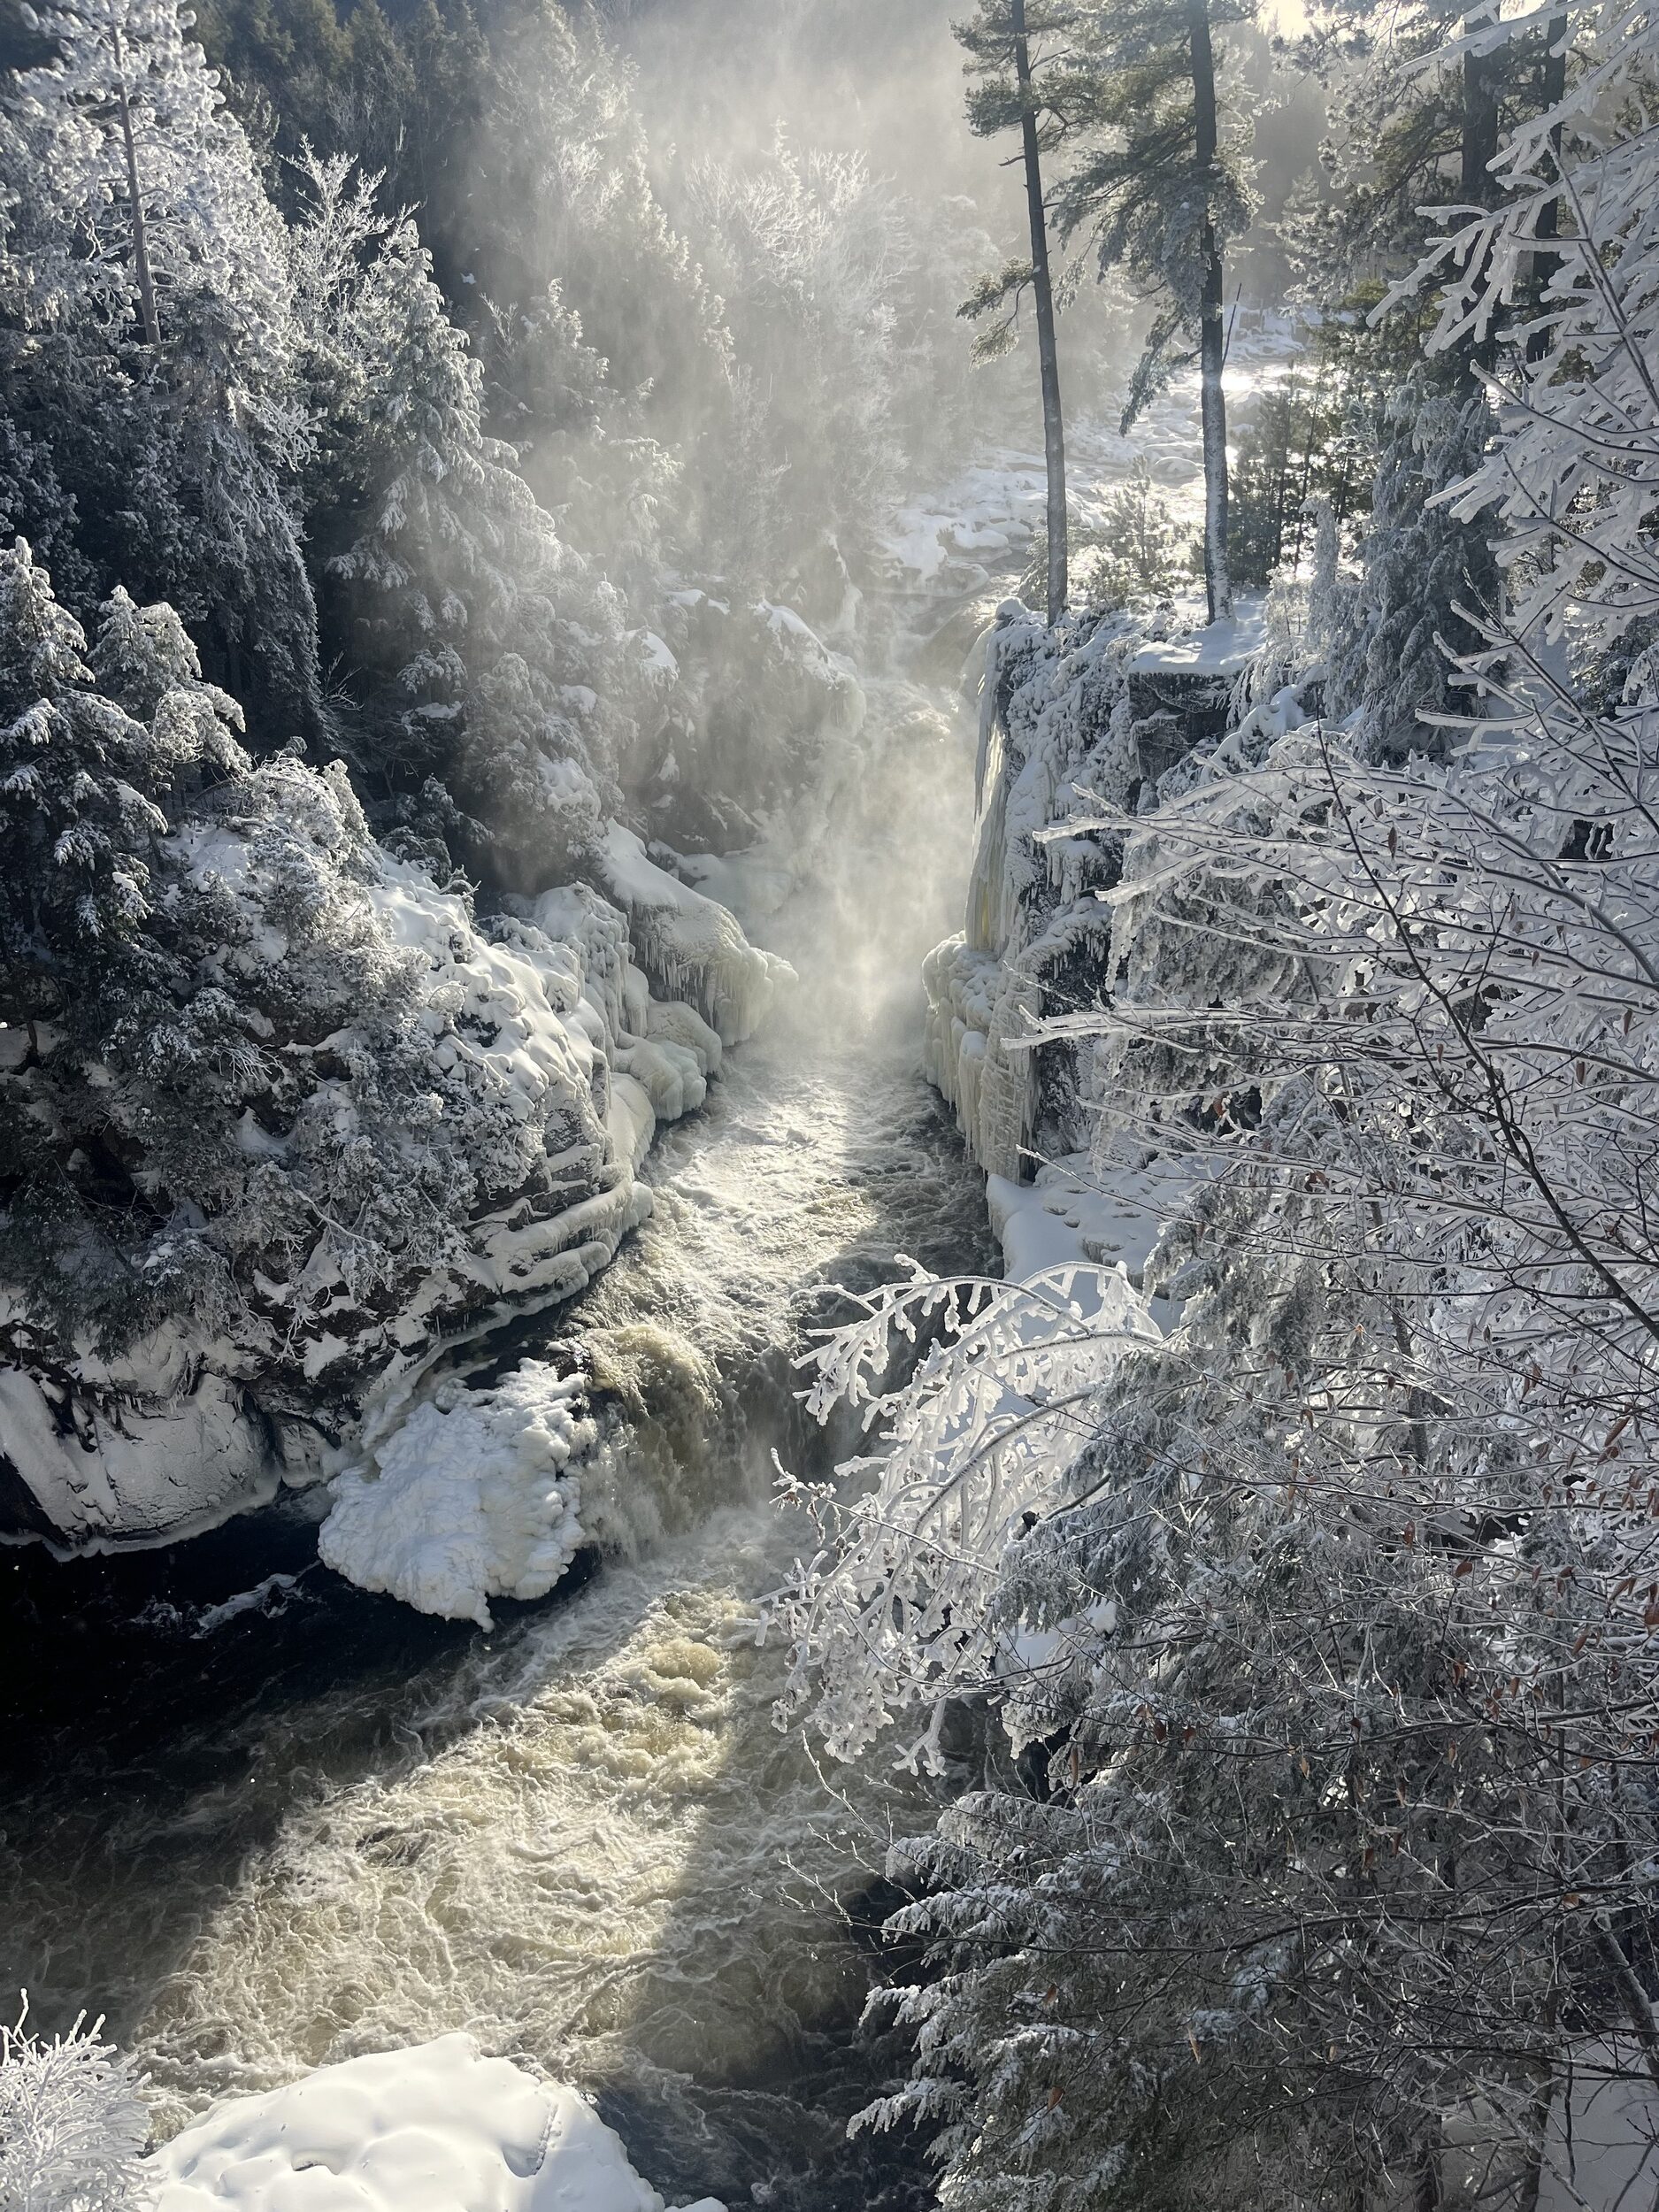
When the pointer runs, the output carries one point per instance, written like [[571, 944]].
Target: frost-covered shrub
[[74, 2124], [1322, 1630]]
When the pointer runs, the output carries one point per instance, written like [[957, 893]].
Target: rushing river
[[265, 1834]]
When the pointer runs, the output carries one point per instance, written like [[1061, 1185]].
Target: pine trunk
[[1212, 336], [1552, 90], [135, 203], [1048, 354], [1479, 148]]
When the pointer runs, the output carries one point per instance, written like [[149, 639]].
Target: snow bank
[[1215, 649], [438, 2128], [1081, 1212], [473, 1496]]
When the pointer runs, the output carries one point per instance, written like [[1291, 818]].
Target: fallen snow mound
[[470, 1498], [434, 2128]]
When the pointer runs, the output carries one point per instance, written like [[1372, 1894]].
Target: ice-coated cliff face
[[1056, 732], [503, 1179], [1099, 713]]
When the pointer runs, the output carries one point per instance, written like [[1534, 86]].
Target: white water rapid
[[581, 1837]]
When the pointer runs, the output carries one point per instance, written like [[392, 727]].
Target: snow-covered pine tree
[[149, 338], [1577, 419], [1391, 662], [1159, 186], [1417, 119], [1135, 556], [150, 192], [82, 948]]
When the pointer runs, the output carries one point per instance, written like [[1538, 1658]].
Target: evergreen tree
[[144, 193], [84, 947], [1393, 656], [1418, 121], [149, 337], [1159, 186], [491, 659], [1003, 44]]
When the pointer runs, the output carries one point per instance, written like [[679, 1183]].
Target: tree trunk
[[1479, 147], [1552, 90], [135, 202], [1212, 347], [1532, 2181], [1047, 354], [1426, 2192]]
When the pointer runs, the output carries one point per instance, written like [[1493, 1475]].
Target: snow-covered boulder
[[473, 1496], [438, 2128]]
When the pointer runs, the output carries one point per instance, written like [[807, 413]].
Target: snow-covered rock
[[473, 1496], [442, 1120], [438, 2128], [689, 946]]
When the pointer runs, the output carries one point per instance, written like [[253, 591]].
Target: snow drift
[[427, 2130]]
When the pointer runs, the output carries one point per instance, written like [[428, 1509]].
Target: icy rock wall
[[1056, 734], [544, 1066]]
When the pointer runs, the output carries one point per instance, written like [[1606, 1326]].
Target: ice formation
[[473, 1496], [431, 2129], [976, 1007], [691, 947], [1095, 712]]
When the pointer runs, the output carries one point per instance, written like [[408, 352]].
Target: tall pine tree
[[1158, 184]]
